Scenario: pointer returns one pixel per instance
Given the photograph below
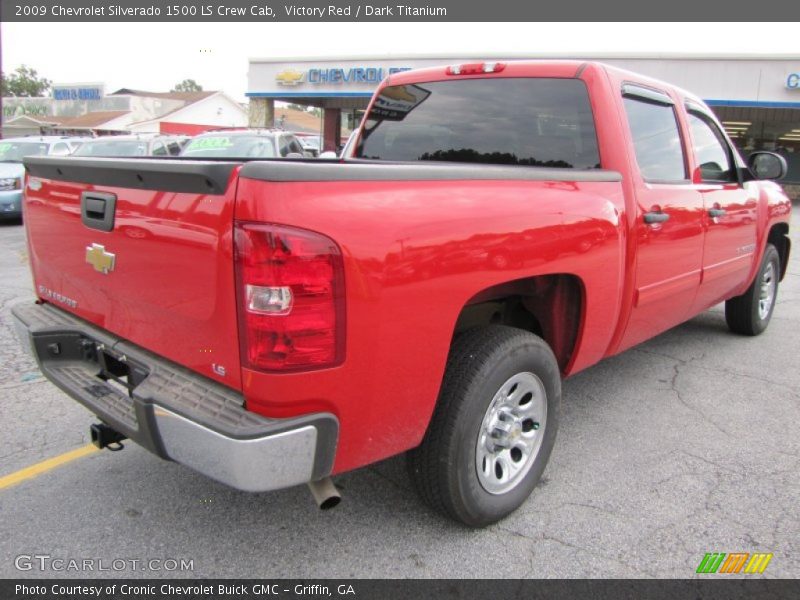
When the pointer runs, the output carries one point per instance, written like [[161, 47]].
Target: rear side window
[[294, 146], [174, 148], [539, 122], [283, 145], [656, 140]]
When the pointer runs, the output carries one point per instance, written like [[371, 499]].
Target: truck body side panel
[[414, 256]]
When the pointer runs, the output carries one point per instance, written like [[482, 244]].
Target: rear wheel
[[494, 426], [750, 313]]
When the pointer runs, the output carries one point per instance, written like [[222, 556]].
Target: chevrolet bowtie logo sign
[[290, 77], [101, 260]]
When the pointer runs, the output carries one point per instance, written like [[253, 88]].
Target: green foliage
[[24, 82], [187, 85]]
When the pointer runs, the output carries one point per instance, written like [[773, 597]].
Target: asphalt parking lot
[[685, 445]]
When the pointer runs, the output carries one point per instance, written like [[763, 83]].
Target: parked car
[[246, 143], [12, 151], [142, 144], [311, 142], [494, 228]]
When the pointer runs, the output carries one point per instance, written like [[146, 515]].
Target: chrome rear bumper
[[173, 412]]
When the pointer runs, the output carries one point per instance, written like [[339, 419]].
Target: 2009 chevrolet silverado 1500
[[495, 228]]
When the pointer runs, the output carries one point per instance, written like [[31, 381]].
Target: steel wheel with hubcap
[[511, 433], [493, 427], [768, 289], [751, 312]]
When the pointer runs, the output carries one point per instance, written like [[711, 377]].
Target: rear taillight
[[290, 291]]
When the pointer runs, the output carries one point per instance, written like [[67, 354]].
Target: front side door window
[[712, 154]]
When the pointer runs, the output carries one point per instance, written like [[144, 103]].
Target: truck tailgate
[[141, 248]]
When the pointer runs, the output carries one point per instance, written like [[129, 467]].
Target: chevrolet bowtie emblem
[[290, 77], [101, 260]]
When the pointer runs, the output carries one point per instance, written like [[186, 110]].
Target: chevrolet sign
[[290, 77]]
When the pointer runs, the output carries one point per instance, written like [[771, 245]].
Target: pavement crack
[[794, 392], [674, 388], [593, 507], [708, 462]]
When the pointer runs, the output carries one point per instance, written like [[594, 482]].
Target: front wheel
[[749, 314], [494, 426]]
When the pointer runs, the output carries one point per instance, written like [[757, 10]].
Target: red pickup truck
[[495, 227]]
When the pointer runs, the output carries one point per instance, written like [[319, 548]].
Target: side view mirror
[[767, 165], [294, 155]]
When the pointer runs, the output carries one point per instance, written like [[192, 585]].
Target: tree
[[187, 85], [24, 82]]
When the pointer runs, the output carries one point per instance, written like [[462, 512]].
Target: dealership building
[[86, 109], [756, 98]]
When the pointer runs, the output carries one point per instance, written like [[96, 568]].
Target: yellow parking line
[[45, 466]]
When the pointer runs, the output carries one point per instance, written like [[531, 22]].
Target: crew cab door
[[730, 240], [669, 227]]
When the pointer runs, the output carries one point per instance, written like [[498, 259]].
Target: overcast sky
[[157, 56]]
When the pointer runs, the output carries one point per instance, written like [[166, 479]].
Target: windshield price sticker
[[211, 143]]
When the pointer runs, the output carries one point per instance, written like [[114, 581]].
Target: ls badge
[[101, 260]]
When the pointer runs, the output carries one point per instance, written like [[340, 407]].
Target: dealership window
[[765, 128], [656, 140]]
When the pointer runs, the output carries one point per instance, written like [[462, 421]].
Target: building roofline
[[599, 56], [175, 111]]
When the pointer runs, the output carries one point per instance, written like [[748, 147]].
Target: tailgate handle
[[98, 210]]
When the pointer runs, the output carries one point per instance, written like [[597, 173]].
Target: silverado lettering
[[503, 226]]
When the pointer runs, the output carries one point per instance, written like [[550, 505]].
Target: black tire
[[743, 313], [443, 468]]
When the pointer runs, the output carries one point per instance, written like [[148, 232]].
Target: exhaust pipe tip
[[325, 493]]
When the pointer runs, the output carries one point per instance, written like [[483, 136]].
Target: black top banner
[[399, 10]]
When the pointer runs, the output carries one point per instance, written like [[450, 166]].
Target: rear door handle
[[716, 212], [655, 217]]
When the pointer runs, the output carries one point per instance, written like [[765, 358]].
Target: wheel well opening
[[551, 306], [779, 237]]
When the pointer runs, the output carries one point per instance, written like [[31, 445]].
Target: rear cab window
[[542, 122]]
